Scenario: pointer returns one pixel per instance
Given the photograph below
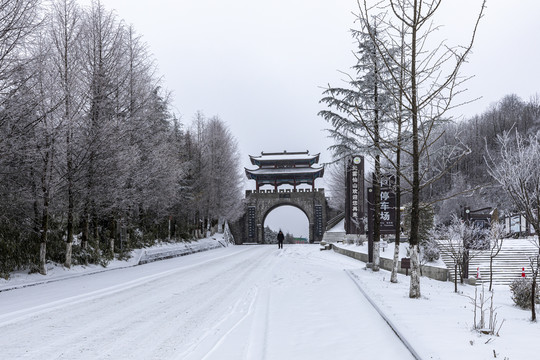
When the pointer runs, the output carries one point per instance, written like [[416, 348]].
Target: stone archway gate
[[259, 203]]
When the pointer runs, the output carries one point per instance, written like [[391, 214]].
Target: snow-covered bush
[[478, 240], [429, 251], [360, 239], [521, 292]]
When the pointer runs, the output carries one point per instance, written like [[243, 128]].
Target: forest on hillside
[[468, 182], [93, 162]]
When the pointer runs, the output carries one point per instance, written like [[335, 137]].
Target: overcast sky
[[260, 65]]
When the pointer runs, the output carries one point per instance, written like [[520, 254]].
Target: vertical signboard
[[354, 196], [252, 232], [388, 206], [387, 211], [318, 220]]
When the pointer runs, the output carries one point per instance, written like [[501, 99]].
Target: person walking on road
[[280, 238]]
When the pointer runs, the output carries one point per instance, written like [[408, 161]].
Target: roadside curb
[[147, 257], [398, 333]]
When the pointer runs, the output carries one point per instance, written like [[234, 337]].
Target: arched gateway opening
[[278, 170], [289, 219]]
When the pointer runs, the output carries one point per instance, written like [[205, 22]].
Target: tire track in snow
[[15, 316], [238, 314], [255, 320], [71, 333], [249, 316]]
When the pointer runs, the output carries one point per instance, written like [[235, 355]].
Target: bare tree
[[88, 142], [45, 138], [336, 183], [496, 238], [221, 195], [431, 82], [359, 113], [104, 65], [456, 240], [516, 171], [18, 20], [65, 32]]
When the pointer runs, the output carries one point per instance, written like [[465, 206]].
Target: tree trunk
[[69, 254], [397, 234], [95, 231], [71, 197], [393, 276], [455, 276], [377, 180], [45, 183], [491, 273], [376, 255], [414, 290], [43, 257], [69, 239], [533, 298], [533, 290], [85, 230], [113, 230], [44, 233], [465, 266]]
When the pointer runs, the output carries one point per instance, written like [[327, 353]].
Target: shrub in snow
[[429, 251], [360, 239], [521, 293], [478, 240], [485, 318]]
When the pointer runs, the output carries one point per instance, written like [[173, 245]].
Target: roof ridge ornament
[[285, 153]]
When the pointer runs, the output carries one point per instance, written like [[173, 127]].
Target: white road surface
[[242, 302]]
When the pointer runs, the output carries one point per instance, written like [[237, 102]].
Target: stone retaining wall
[[148, 256], [428, 271]]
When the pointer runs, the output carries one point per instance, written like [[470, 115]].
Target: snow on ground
[[57, 272], [439, 324], [339, 227], [388, 253], [241, 302], [252, 302]]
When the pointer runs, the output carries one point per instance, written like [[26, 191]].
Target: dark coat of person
[[280, 238]]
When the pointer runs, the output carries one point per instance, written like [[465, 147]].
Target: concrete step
[[332, 237], [507, 265]]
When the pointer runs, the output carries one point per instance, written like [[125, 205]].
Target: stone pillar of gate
[[260, 203], [260, 233]]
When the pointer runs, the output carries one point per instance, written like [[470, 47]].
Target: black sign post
[[388, 211], [354, 196]]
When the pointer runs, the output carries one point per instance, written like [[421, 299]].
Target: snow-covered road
[[242, 302]]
